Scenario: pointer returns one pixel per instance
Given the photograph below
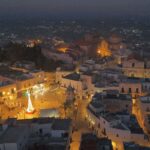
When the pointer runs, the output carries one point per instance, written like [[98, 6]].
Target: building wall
[[146, 86], [61, 74], [144, 107], [132, 88], [119, 135], [87, 83], [101, 89], [39, 76], [77, 85], [113, 105], [22, 143], [46, 128], [8, 92], [133, 63], [103, 128], [135, 68], [11, 146], [57, 133], [26, 84]]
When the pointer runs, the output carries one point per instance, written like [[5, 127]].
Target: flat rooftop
[[73, 76], [92, 142], [111, 94], [133, 146], [57, 124], [14, 74], [111, 117], [134, 126], [35, 71], [36, 121], [13, 134], [96, 104], [97, 96], [120, 126], [97, 114], [131, 80], [61, 124]]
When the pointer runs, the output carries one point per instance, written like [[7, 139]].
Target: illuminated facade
[[32, 43], [8, 90], [119, 126], [34, 80], [14, 85], [133, 67], [143, 111], [131, 86], [62, 48], [103, 49]]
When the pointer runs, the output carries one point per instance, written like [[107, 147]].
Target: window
[[122, 90], [130, 90], [64, 135], [146, 137], [147, 109], [133, 64], [104, 131], [117, 135], [137, 90], [41, 131], [127, 105]]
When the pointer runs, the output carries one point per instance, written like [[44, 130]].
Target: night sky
[[75, 7]]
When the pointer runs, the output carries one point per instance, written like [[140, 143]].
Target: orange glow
[[63, 49], [30, 108], [103, 49]]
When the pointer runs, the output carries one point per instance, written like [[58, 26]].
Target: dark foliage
[[13, 52]]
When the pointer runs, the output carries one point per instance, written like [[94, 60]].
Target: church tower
[[103, 49]]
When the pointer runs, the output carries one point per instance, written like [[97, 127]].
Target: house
[[118, 126], [14, 138], [135, 66], [36, 133]]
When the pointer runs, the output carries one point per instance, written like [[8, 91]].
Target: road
[[80, 125]]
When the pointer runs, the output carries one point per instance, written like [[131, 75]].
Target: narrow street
[[80, 125]]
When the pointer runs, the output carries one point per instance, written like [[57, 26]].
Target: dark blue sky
[[75, 7]]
